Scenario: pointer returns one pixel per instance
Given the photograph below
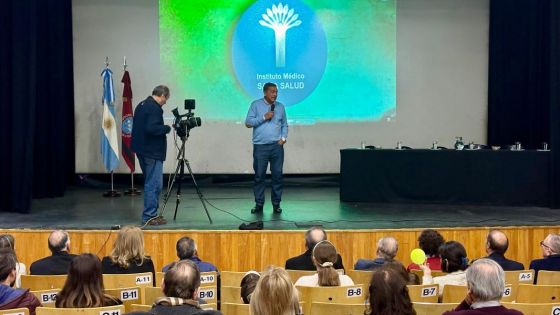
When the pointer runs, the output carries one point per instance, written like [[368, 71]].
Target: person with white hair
[[550, 247], [387, 248], [485, 283]]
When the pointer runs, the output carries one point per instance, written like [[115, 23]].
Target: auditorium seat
[[427, 293], [549, 277], [296, 274], [355, 294], [109, 310], [235, 309], [140, 308], [510, 293], [520, 276], [454, 293], [230, 294], [115, 281], [128, 296], [42, 282], [209, 306], [151, 294], [159, 278], [433, 308], [360, 276], [534, 308], [15, 311], [435, 273], [318, 308], [46, 297], [231, 278], [528, 293], [208, 294]]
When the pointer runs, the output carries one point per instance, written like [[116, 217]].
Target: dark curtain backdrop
[[37, 107], [523, 78]]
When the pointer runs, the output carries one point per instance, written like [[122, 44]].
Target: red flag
[[127, 123]]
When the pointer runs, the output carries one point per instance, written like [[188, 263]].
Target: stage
[[307, 200]]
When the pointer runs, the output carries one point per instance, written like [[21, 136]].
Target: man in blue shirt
[[187, 250], [268, 119], [149, 141]]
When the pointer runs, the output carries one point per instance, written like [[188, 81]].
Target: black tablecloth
[[445, 176]]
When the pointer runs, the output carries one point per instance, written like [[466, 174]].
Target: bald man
[[59, 261], [304, 261], [496, 246]]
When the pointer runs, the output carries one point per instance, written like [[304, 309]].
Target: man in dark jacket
[[149, 141], [59, 261], [496, 246], [551, 253], [11, 298], [387, 248], [180, 286], [304, 262]]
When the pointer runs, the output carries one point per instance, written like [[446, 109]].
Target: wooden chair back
[[433, 308], [528, 293], [520, 276], [355, 294], [115, 281], [235, 309], [548, 277], [15, 311], [534, 308], [107, 310], [454, 293], [318, 308], [42, 282], [46, 297], [427, 293], [128, 296], [231, 278], [360, 276], [230, 295]]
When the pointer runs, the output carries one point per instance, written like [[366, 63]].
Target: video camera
[[184, 123]]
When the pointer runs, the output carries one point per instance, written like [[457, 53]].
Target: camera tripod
[[180, 171]]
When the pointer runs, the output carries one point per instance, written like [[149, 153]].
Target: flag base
[[132, 192], [111, 194]]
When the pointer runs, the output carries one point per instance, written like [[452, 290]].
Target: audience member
[[248, 285], [8, 241], [408, 277], [324, 256], [387, 248], [388, 294], [9, 297], [128, 254], [304, 262], [187, 249], [275, 294], [180, 287], [551, 255], [58, 262], [454, 261], [486, 283], [496, 246], [84, 285], [429, 241]]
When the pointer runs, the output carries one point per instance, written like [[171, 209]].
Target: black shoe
[[157, 221], [276, 208], [257, 209]]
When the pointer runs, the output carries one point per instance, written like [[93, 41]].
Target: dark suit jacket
[[506, 264], [549, 263], [57, 264], [304, 262], [465, 309]]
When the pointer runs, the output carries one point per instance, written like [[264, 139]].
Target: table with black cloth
[[445, 176]]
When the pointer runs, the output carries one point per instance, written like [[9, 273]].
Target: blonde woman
[[275, 294], [324, 257], [128, 254]]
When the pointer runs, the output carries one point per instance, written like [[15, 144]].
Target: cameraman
[[149, 141]]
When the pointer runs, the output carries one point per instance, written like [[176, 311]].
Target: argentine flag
[[109, 141]]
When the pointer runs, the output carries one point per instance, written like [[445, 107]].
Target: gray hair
[[486, 280], [387, 247], [554, 242], [161, 90]]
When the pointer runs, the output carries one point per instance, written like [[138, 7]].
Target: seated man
[[180, 287], [496, 246], [186, 250], [486, 283], [387, 248], [551, 253], [9, 297], [304, 262], [59, 261]]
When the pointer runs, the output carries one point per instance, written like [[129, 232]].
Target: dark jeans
[[153, 182], [262, 155]]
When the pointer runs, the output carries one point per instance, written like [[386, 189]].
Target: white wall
[[442, 61]]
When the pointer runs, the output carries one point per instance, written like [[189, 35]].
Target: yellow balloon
[[418, 256]]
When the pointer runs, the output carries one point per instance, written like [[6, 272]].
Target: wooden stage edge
[[254, 250]]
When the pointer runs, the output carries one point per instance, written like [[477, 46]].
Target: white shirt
[[20, 270], [313, 281], [454, 278]]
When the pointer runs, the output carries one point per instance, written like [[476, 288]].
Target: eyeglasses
[[544, 245]]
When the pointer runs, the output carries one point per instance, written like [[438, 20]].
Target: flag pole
[[112, 193], [131, 191]]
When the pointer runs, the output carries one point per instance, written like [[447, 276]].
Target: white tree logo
[[280, 19]]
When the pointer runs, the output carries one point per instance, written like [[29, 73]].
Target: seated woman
[[275, 294], [388, 293], [324, 256], [8, 241], [128, 254], [454, 261], [248, 285], [84, 285], [429, 241]]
